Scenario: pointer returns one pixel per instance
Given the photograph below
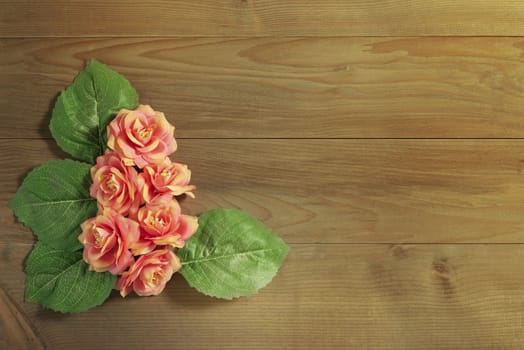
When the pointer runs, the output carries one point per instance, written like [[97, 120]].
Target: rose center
[[156, 278], [98, 239], [145, 133], [157, 222], [111, 183], [165, 173]]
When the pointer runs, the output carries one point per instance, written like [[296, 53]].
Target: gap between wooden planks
[[260, 18], [285, 87], [325, 296], [338, 191]]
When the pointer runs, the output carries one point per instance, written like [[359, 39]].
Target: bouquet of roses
[[135, 183], [113, 221]]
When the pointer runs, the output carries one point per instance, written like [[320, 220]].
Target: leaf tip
[[94, 62]]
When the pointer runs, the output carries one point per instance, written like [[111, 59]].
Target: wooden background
[[383, 140]]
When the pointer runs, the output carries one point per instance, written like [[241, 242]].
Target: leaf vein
[[227, 256]]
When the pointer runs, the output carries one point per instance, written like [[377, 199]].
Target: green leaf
[[54, 200], [61, 280], [83, 111], [231, 255]]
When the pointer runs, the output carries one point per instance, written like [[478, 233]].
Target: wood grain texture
[[339, 191], [260, 17], [286, 87], [393, 297], [16, 332]]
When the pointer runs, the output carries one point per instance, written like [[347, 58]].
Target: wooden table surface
[[383, 140]]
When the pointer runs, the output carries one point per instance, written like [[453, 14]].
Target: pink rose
[[107, 239], [162, 224], [150, 273], [141, 136], [115, 185], [162, 181]]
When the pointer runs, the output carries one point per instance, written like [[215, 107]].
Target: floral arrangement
[[112, 219]]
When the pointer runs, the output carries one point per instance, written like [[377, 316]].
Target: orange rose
[[162, 181], [107, 239], [141, 136], [162, 224], [115, 185], [150, 273]]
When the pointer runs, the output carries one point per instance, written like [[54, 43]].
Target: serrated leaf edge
[[10, 203], [32, 298]]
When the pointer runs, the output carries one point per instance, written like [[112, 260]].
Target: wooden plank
[[326, 296], [261, 18], [338, 191], [16, 331], [286, 87]]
